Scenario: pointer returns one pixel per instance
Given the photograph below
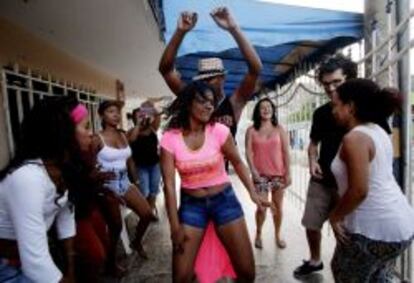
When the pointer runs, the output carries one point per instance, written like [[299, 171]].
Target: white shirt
[[112, 158], [385, 214], [27, 211]]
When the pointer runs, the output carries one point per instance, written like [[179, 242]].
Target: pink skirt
[[212, 262]]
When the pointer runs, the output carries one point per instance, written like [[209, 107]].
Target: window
[[21, 90]]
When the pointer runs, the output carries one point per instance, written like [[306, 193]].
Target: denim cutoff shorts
[[120, 183], [221, 208], [11, 274]]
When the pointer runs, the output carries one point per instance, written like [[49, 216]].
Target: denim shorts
[[222, 208], [120, 183], [11, 274]]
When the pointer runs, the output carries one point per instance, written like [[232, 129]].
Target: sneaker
[[307, 268]]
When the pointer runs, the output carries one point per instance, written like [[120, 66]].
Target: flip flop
[[281, 244], [258, 243]]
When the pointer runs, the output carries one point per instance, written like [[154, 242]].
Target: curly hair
[[257, 120], [372, 103], [105, 105], [47, 133], [338, 62], [178, 113]]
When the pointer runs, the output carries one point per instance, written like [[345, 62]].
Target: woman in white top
[[114, 155], [373, 221], [34, 192]]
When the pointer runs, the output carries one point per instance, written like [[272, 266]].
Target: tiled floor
[[272, 265]]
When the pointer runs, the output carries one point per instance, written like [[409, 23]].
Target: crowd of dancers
[[67, 178]]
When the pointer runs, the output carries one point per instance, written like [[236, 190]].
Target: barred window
[[23, 88]]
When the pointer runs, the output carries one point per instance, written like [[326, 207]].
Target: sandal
[[258, 243], [281, 244]]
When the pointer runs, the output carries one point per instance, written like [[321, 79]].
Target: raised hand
[[223, 18], [186, 21]]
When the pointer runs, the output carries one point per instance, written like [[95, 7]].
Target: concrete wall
[[19, 46]]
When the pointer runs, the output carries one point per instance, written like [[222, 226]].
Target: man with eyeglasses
[[325, 138]]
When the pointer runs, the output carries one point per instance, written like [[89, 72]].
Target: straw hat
[[209, 67]]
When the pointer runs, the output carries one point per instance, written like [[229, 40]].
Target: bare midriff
[[205, 191]]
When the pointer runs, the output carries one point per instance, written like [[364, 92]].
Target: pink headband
[[78, 113]]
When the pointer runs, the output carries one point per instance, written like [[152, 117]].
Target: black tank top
[[145, 150]]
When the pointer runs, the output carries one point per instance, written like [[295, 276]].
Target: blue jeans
[[149, 178], [222, 208], [11, 274]]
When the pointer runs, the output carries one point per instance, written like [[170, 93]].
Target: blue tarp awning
[[287, 38]]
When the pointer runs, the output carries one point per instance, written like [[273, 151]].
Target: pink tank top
[[268, 154], [203, 167]]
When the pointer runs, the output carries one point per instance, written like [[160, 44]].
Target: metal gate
[[22, 88]]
